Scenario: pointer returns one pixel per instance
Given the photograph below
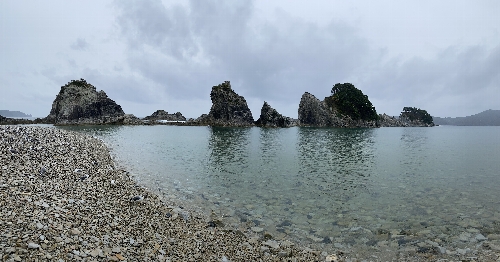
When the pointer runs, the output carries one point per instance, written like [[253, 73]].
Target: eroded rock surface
[[163, 115], [228, 108], [269, 117], [78, 102], [314, 112]]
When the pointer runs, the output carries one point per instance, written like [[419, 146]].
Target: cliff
[[78, 102], [228, 108], [269, 117]]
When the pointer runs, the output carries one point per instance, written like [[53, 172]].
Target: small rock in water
[[137, 198], [257, 229], [272, 243], [480, 237]]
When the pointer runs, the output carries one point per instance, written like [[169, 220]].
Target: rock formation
[[78, 102], [163, 115], [228, 108], [269, 117], [401, 121], [314, 112]]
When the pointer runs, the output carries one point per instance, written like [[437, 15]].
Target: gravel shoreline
[[64, 199]]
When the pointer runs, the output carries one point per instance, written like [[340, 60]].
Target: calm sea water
[[335, 188]]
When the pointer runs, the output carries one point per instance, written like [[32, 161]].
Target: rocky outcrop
[[129, 119], [78, 102], [391, 121], [269, 117], [314, 112], [20, 121], [163, 115], [228, 108]]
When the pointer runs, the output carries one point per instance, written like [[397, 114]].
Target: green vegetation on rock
[[350, 101], [417, 114]]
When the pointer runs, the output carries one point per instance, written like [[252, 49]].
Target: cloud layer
[[150, 55]]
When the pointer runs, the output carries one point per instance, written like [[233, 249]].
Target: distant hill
[[485, 118], [7, 113]]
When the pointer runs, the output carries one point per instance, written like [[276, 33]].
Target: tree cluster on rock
[[346, 107], [350, 101], [416, 114]]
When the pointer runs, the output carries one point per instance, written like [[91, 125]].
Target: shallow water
[[351, 189]]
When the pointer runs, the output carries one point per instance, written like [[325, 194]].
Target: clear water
[[349, 189]]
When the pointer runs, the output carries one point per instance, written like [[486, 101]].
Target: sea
[[362, 191]]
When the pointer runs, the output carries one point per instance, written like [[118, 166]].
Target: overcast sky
[[441, 56]]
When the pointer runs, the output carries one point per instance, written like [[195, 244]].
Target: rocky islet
[[79, 103]]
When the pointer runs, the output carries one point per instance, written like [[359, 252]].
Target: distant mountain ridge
[[7, 113], [485, 118]]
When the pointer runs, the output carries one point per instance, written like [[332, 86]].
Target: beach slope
[[63, 199]]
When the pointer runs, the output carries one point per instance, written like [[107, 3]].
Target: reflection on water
[[336, 188], [337, 161], [229, 149]]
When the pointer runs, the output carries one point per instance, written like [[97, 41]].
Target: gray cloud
[[188, 49], [80, 44], [455, 74], [150, 55]]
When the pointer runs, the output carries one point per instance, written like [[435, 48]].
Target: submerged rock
[[78, 102], [228, 108], [269, 117]]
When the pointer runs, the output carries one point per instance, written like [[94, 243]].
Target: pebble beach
[[64, 198]]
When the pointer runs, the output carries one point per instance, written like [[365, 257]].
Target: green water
[[349, 189]]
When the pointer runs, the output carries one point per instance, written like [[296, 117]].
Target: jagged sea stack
[[78, 102], [314, 112], [269, 117], [228, 108]]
